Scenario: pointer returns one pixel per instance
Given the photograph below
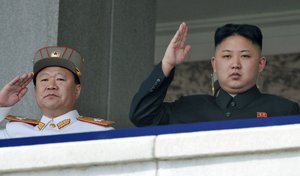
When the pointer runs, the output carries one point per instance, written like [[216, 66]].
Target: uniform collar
[[241, 100], [58, 122], [223, 99]]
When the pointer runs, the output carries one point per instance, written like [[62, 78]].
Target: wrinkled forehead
[[54, 71]]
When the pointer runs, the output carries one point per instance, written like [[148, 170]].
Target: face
[[56, 91], [237, 63]]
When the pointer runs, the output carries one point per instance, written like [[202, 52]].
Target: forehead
[[55, 71]]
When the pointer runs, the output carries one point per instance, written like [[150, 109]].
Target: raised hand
[[177, 50], [13, 92]]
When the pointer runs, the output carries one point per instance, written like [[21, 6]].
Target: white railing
[[269, 150]]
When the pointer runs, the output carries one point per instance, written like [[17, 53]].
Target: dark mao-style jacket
[[148, 108]]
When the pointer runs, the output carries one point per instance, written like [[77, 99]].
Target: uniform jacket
[[148, 108], [66, 123]]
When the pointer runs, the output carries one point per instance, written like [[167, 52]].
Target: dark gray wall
[[116, 38], [25, 26]]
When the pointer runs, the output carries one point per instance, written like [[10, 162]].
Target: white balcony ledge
[[249, 150]]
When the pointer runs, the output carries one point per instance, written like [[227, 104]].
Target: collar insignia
[[261, 114]]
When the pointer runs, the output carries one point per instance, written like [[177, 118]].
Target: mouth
[[50, 95], [235, 76]]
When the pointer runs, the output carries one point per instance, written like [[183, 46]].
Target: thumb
[[187, 49]]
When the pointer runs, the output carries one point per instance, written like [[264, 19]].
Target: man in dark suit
[[237, 62]]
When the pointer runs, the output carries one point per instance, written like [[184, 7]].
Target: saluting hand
[[177, 50], [12, 92]]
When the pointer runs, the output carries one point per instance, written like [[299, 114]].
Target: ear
[[78, 90], [213, 63], [262, 63]]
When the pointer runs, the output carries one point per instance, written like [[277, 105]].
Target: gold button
[[52, 125]]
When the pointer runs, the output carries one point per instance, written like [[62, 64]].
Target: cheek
[[68, 92], [222, 71], [221, 68], [251, 67], [37, 95], [38, 89]]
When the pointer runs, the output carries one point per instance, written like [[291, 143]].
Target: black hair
[[251, 32], [76, 78]]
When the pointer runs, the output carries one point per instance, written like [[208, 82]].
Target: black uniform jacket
[[148, 108]]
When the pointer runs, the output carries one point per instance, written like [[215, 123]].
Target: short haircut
[[251, 32]]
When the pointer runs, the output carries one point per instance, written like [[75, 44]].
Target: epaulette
[[96, 121], [22, 119]]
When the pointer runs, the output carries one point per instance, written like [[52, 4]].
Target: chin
[[234, 89], [51, 105]]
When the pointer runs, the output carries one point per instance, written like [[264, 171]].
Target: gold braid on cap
[[78, 72]]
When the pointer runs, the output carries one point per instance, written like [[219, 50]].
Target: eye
[[44, 79], [227, 56], [60, 79], [246, 56]]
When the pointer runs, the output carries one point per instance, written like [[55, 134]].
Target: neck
[[233, 95], [54, 114]]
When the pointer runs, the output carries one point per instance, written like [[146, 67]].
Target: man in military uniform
[[237, 62], [56, 76]]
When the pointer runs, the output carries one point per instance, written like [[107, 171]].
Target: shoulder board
[[22, 119], [96, 121]]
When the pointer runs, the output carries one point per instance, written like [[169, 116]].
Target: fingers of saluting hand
[[22, 92], [22, 81], [180, 36], [27, 79]]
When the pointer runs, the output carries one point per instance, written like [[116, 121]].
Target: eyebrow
[[58, 73], [226, 50], [245, 51]]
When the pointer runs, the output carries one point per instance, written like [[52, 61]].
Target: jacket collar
[[241, 99], [60, 121]]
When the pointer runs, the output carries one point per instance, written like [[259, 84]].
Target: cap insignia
[[55, 54]]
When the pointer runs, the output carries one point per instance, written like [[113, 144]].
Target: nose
[[236, 62], [52, 85]]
